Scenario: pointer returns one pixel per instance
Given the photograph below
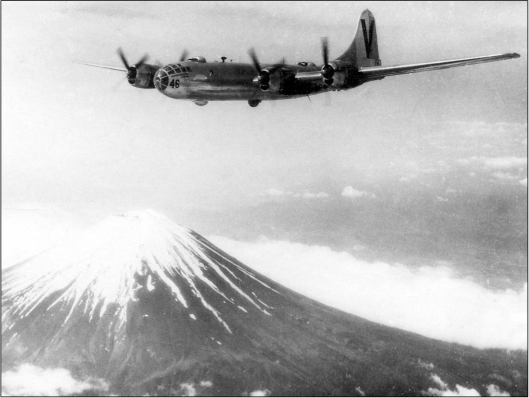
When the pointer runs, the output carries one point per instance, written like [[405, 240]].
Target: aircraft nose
[[161, 80]]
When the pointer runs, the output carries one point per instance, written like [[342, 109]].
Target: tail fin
[[363, 51]]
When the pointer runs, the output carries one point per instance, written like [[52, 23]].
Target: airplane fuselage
[[226, 81]]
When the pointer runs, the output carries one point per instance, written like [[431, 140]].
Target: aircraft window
[[169, 69], [162, 79], [188, 68]]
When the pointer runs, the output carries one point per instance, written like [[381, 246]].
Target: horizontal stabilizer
[[377, 72]]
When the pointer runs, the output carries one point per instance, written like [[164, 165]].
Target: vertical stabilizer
[[363, 51]]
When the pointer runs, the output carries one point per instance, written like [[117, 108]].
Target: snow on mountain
[[118, 259], [139, 305]]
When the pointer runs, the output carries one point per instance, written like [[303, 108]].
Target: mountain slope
[[153, 308]]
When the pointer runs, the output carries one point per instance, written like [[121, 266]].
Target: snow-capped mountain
[[144, 306]]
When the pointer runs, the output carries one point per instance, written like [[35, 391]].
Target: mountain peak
[[123, 257], [139, 305]]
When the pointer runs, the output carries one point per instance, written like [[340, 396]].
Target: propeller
[[184, 55], [263, 75], [327, 71], [131, 70]]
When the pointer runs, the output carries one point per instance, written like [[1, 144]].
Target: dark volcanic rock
[[153, 308]]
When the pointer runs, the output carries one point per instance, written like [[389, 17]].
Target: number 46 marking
[[175, 83]]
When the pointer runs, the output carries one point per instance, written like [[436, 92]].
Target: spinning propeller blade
[[327, 71], [184, 55], [131, 70], [255, 61]]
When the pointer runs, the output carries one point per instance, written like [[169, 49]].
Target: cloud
[[350, 192], [496, 163], [425, 365], [360, 391], [431, 301], [188, 390], [279, 194], [31, 380], [495, 391], [504, 176], [523, 182], [444, 391], [192, 389], [319, 195], [503, 163], [260, 393], [508, 168]]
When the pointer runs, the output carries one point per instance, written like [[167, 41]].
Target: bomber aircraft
[[200, 81]]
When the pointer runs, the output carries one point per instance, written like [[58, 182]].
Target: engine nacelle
[[142, 76], [275, 79], [334, 74]]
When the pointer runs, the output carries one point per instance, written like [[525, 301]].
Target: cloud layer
[[431, 301], [29, 380], [350, 192], [279, 194], [444, 391]]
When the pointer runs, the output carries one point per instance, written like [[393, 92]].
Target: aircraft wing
[[103, 66], [378, 72]]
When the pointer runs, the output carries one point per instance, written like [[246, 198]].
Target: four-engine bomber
[[200, 81]]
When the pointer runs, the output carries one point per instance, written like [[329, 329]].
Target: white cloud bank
[[444, 391], [29, 380], [260, 393], [494, 391], [350, 192], [277, 193], [430, 301], [498, 163], [503, 163]]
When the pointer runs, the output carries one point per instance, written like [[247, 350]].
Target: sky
[[408, 181]]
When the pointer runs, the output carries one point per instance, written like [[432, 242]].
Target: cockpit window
[[177, 69], [161, 80]]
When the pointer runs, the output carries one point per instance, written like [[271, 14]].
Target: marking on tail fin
[[368, 40]]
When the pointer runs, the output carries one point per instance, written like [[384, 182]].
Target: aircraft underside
[[211, 92]]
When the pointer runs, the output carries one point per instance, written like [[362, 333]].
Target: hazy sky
[[422, 170]]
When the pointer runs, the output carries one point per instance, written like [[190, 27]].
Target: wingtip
[[515, 55]]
